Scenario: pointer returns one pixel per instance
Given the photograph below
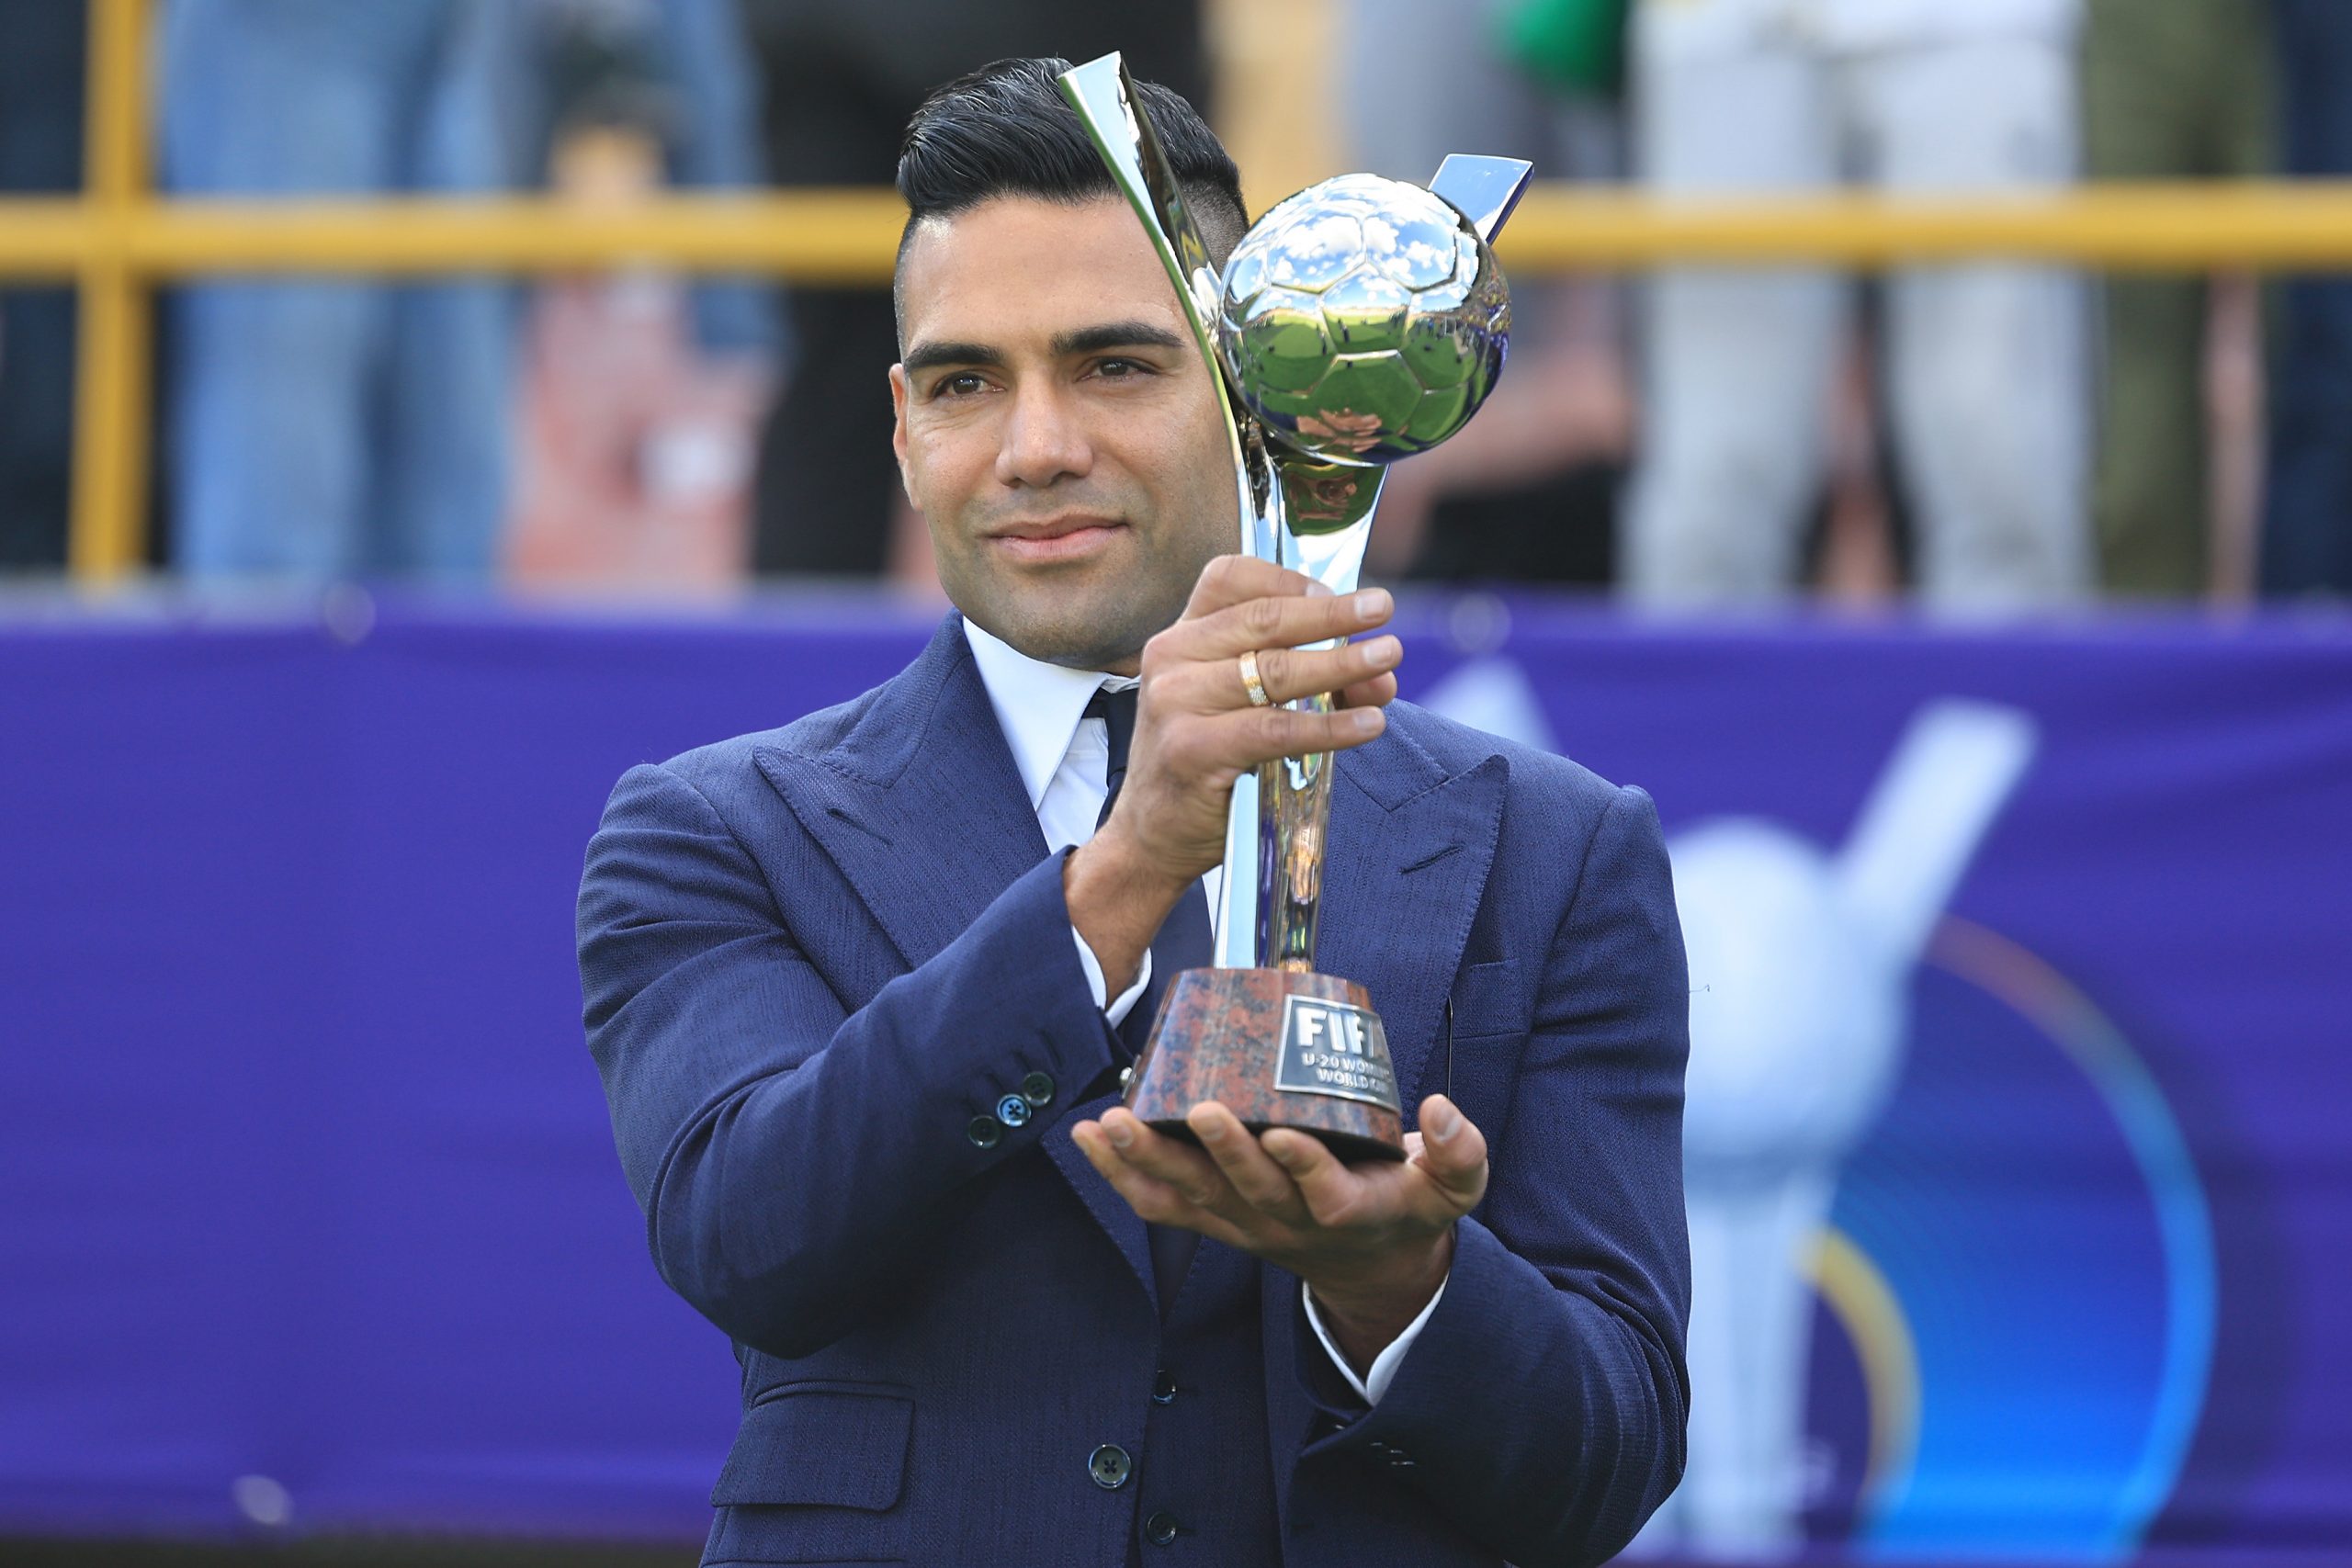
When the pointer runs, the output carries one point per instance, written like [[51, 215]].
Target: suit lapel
[[920, 804], [1409, 851], [921, 807]]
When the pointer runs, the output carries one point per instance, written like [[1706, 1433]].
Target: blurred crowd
[[1986, 437]]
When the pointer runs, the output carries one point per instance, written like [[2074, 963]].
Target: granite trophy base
[[1278, 1048]]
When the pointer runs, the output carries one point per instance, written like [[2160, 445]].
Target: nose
[[1043, 440]]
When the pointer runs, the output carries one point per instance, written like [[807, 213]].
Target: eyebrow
[[931, 355], [1083, 340], [1114, 335]]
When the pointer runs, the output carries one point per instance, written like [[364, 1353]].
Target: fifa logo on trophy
[[1361, 321]]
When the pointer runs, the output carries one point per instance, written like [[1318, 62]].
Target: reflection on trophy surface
[[1364, 320], [1359, 321]]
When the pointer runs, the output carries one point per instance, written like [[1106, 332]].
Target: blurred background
[[1925, 466]]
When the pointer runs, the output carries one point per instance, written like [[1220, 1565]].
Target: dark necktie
[[1117, 712], [1184, 942]]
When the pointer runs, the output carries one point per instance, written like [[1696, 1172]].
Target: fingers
[[1442, 1178], [1378, 691], [1453, 1153], [1253, 736], [1185, 1170], [1218, 688], [1196, 706], [1231, 579], [1289, 674], [1261, 1183], [1154, 1174], [1333, 1193], [1288, 620], [1216, 685], [1284, 1195]]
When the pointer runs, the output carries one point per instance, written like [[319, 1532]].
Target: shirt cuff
[[1114, 1008], [1373, 1383]]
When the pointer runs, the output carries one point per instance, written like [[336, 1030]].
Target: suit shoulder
[[1535, 775], [719, 767]]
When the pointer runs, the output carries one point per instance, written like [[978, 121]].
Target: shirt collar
[[1037, 704]]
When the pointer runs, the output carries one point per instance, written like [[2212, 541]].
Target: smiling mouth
[[1068, 539]]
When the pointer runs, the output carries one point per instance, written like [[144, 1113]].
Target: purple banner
[[2020, 1186]]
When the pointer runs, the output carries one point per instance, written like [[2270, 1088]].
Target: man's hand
[[1372, 1240], [1196, 732]]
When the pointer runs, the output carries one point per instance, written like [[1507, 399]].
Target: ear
[[899, 433]]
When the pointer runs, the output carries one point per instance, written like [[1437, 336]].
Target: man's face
[[1057, 428]]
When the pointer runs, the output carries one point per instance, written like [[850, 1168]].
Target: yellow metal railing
[[110, 397], [118, 241]]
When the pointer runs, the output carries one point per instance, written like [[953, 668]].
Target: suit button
[[984, 1132], [1163, 1387], [1161, 1529], [1013, 1110], [1109, 1467], [1037, 1088]]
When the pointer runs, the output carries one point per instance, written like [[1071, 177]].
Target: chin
[[1080, 630]]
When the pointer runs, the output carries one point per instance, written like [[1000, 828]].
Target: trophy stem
[[1293, 808]]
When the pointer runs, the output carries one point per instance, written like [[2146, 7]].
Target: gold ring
[[1251, 684]]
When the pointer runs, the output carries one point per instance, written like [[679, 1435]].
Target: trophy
[[1359, 321]]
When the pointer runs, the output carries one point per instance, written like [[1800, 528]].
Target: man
[[859, 990], [838, 83]]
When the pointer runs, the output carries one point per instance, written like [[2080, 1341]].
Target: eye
[[1118, 369], [962, 384]]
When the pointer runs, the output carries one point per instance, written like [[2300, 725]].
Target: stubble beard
[[1108, 630]]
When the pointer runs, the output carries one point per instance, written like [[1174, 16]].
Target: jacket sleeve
[[1542, 1409], [792, 1157]]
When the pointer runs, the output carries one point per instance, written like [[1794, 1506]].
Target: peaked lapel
[[919, 803], [921, 807], [1409, 852]]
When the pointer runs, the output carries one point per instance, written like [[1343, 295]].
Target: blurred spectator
[[842, 80], [675, 75], [1985, 363], [41, 73], [1527, 492], [2172, 89], [635, 440], [329, 428], [2307, 520], [639, 394]]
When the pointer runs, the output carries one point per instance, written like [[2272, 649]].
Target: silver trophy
[[1359, 321]]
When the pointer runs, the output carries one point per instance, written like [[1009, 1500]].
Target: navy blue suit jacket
[[812, 957]]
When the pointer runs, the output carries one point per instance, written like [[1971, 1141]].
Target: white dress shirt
[[1064, 761]]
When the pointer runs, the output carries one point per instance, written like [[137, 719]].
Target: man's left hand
[[1372, 1240]]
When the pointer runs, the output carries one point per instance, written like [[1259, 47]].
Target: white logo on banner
[[1800, 964]]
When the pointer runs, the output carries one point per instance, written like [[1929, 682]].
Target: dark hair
[[1005, 129]]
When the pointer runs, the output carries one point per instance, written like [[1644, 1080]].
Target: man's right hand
[[1197, 731]]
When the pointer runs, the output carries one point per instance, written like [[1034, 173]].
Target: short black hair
[[1005, 129]]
